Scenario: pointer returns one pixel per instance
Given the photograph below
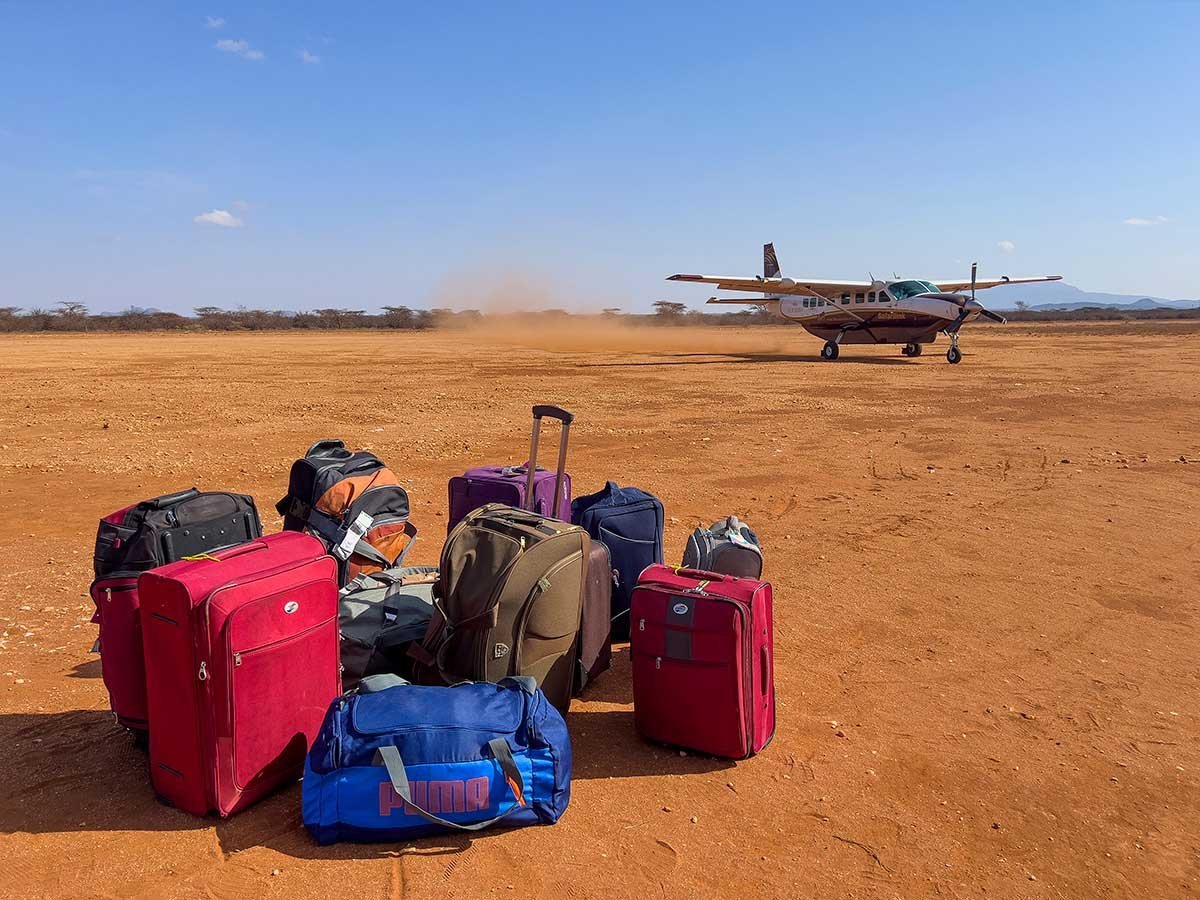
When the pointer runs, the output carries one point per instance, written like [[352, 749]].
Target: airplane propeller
[[974, 305]]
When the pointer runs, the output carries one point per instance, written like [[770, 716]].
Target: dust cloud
[[609, 334]]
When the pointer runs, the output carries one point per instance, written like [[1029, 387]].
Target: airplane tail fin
[[770, 262]]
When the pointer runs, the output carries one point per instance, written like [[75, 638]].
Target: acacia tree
[[669, 311], [71, 315]]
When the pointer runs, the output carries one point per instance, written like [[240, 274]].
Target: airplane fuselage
[[876, 315]]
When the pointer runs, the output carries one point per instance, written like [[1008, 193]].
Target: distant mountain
[[1058, 295]]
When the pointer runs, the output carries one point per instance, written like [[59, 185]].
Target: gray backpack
[[728, 547], [379, 615]]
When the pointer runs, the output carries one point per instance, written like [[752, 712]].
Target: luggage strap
[[345, 542], [394, 763]]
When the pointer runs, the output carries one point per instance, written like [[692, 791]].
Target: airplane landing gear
[[829, 351], [954, 355], [911, 350]]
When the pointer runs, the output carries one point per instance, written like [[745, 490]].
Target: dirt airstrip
[[987, 587]]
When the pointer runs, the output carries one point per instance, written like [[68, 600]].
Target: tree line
[[71, 315]]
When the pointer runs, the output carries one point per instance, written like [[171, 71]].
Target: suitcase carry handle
[[328, 447], [702, 575], [241, 550], [171, 499], [390, 756], [539, 412]]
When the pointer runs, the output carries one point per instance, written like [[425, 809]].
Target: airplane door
[[791, 307]]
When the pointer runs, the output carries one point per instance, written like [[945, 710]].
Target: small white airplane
[[904, 311]]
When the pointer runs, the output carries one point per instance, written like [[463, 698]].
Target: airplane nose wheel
[[829, 351], [954, 355], [911, 350]]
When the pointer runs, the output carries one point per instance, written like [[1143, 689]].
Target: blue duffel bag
[[395, 761]]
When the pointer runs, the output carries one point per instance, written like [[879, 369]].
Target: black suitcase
[[167, 528], [144, 536]]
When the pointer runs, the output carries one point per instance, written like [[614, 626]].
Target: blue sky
[[322, 154]]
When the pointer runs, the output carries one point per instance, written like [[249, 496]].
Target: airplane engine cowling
[[787, 282]]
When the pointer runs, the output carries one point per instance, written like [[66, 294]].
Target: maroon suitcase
[[241, 652], [594, 653], [703, 667]]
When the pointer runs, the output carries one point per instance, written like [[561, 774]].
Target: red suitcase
[[241, 651], [703, 665]]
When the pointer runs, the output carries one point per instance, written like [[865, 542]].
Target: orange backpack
[[354, 503]]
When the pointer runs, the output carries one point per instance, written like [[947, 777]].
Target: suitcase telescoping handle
[[554, 412]]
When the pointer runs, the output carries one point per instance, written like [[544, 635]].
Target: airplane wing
[[742, 301], [804, 287], [982, 283]]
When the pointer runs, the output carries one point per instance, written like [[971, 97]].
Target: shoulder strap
[[394, 763], [345, 542]]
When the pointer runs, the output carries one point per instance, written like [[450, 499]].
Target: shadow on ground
[[715, 359], [80, 771]]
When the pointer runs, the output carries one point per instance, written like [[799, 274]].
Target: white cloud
[[241, 48], [214, 22], [1006, 246], [1152, 220], [222, 217], [309, 58]]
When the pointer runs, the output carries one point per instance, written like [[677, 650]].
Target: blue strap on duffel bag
[[395, 761]]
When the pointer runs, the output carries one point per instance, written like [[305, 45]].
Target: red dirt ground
[[987, 596]]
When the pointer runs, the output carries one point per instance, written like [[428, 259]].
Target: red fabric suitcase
[[703, 664], [241, 652]]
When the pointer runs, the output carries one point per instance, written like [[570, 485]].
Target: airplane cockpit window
[[902, 290]]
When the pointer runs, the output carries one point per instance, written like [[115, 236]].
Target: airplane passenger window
[[859, 298], [871, 297], [845, 299]]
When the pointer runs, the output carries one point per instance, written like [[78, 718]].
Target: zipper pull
[[641, 624], [108, 594], [658, 662], [203, 676], [237, 659]]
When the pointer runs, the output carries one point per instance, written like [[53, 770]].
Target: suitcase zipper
[[203, 673], [237, 661], [540, 587]]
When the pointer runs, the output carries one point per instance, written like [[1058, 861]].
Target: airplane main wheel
[[954, 356], [912, 350], [829, 351]]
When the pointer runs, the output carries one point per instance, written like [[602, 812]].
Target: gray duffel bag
[[379, 615], [728, 547]]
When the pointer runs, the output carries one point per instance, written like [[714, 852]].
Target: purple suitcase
[[510, 485]]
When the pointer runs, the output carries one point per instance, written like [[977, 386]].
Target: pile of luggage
[[417, 699]]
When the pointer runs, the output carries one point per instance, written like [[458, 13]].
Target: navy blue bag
[[395, 761], [628, 521]]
